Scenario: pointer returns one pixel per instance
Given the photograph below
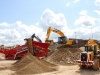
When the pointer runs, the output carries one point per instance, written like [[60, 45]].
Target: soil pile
[[30, 64], [2, 56], [65, 56]]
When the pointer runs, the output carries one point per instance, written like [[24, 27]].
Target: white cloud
[[21, 31], [86, 33], [97, 11], [49, 18], [9, 36], [28, 30], [98, 20], [4, 24], [68, 3], [76, 1], [18, 23], [10, 33], [85, 20], [97, 2], [83, 12], [12, 36]]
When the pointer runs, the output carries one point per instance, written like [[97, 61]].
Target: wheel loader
[[90, 57]]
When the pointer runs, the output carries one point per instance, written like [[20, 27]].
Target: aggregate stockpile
[[31, 65], [65, 56]]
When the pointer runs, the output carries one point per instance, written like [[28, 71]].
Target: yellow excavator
[[48, 35], [91, 55], [62, 40]]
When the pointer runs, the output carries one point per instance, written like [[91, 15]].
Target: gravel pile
[[65, 56], [30, 64]]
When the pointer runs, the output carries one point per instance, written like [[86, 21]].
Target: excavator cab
[[62, 40]]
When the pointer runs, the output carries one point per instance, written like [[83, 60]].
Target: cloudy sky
[[19, 19]]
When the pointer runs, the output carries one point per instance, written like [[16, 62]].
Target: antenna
[[75, 35], [91, 33]]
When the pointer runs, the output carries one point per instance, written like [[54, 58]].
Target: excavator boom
[[55, 31]]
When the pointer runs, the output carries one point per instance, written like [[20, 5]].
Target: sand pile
[[2, 56], [32, 65], [65, 56]]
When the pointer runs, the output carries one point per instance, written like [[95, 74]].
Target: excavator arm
[[48, 35], [58, 32], [55, 31]]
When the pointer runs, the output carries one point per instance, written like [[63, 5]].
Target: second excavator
[[62, 40]]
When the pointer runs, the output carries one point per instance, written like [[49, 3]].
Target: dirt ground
[[4, 67], [28, 65], [62, 70]]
